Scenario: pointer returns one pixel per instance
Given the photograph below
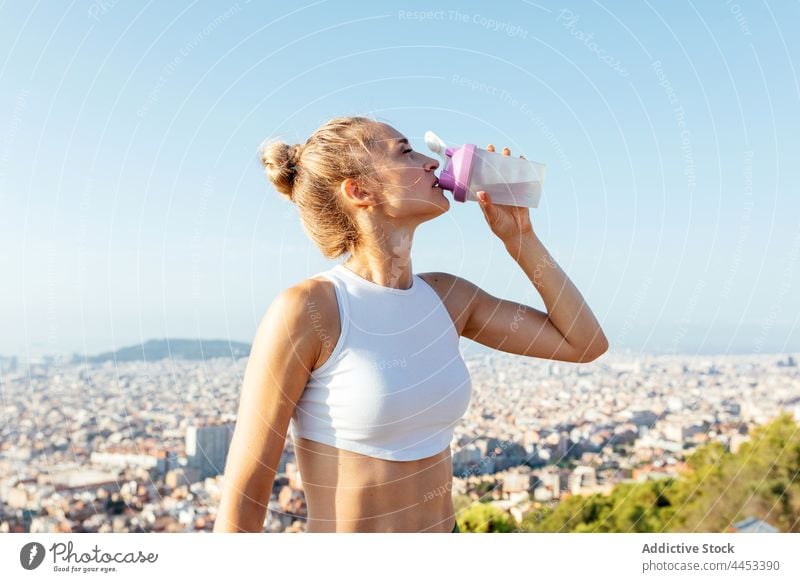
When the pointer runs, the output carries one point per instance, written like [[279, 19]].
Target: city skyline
[[467, 347], [141, 446]]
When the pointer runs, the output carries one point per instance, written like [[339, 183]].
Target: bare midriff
[[350, 492]]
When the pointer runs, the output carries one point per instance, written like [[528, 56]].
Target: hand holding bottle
[[511, 224], [468, 169]]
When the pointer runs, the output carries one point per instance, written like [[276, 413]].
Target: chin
[[438, 207], [441, 210]]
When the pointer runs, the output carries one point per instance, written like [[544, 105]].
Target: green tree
[[716, 490], [461, 502], [485, 518]]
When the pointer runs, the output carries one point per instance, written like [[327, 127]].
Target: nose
[[431, 164]]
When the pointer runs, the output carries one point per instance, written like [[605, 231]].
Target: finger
[[487, 208], [506, 152], [490, 148], [483, 203]]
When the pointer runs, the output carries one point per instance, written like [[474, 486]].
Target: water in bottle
[[468, 169]]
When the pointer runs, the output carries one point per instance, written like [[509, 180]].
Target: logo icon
[[31, 555]]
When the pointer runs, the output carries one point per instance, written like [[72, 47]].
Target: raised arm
[[282, 356], [568, 331], [509, 326]]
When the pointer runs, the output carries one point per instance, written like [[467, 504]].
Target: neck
[[385, 260]]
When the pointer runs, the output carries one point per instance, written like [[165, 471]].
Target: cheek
[[398, 184]]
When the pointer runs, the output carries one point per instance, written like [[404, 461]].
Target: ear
[[353, 192]]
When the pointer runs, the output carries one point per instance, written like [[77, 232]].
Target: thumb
[[486, 206]]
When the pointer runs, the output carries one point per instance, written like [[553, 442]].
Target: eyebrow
[[402, 140]]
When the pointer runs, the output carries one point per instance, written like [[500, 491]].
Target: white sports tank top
[[395, 385]]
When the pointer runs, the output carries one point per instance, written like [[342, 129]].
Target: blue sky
[[134, 207]]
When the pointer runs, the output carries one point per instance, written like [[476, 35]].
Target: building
[[207, 448], [553, 482], [753, 525], [124, 460], [517, 481], [582, 478]]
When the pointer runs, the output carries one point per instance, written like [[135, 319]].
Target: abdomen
[[350, 492]]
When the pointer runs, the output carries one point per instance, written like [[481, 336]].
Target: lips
[[435, 183]]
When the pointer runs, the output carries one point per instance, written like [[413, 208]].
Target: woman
[[363, 358]]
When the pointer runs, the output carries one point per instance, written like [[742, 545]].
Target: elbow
[[595, 350]]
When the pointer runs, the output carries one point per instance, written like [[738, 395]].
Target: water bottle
[[468, 169]]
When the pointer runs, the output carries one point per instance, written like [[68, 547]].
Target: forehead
[[387, 135]]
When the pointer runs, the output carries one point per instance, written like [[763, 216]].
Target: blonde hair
[[310, 175]]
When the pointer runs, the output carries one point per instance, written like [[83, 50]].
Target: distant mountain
[[176, 349]]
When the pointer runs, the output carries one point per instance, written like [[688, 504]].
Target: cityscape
[[139, 446]]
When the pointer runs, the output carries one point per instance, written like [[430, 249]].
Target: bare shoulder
[[439, 278], [305, 317], [320, 296], [298, 302], [314, 293], [321, 314], [457, 294]]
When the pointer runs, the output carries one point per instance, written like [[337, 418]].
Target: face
[[407, 177]]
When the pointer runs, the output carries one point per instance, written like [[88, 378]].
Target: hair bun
[[295, 152], [281, 161]]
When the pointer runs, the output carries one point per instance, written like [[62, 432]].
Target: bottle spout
[[437, 146], [447, 181], [456, 165]]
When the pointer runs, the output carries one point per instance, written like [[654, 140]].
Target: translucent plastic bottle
[[468, 169]]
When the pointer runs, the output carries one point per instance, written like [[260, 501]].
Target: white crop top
[[395, 385]]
